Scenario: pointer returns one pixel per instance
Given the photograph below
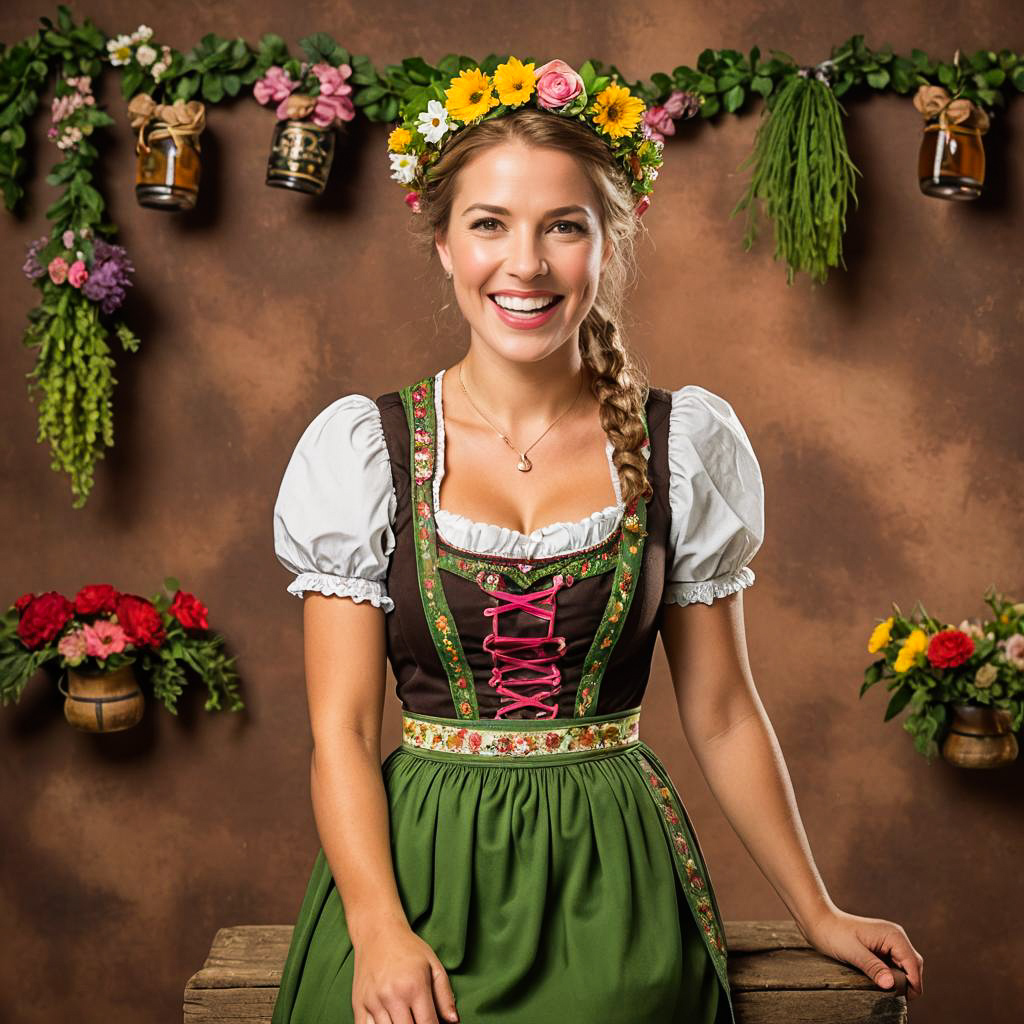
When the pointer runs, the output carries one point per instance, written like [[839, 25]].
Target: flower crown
[[477, 94]]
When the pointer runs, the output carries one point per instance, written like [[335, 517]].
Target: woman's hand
[[398, 979], [856, 940]]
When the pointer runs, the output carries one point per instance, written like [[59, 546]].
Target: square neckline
[[580, 529]]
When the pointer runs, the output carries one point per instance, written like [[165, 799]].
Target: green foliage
[[803, 176]]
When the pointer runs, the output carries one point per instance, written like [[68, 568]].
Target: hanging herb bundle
[[802, 175]]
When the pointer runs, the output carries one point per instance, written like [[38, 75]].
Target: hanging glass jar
[[168, 165], [301, 154], [951, 159]]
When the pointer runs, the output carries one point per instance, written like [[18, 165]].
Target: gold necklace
[[524, 465]]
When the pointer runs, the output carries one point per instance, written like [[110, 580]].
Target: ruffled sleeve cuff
[[706, 591], [355, 587]]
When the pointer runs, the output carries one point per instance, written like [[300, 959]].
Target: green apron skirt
[[551, 867]]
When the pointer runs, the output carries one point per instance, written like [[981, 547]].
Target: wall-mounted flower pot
[[951, 160], [979, 737], [168, 168], [301, 153], [103, 701]]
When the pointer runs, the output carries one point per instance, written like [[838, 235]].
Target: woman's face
[[524, 231]]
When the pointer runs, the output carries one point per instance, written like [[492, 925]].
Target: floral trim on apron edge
[[690, 863], [418, 401], [517, 742]]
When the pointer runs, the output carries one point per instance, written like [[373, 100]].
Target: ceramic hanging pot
[[103, 701], [979, 737], [301, 154]]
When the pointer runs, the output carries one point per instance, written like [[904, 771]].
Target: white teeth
[[524, 305]]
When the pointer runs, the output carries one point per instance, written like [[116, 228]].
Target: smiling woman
[[523, 857]]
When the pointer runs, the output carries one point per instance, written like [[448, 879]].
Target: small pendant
[[524, 465]]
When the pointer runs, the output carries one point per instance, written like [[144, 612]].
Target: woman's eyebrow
[[558, 211]]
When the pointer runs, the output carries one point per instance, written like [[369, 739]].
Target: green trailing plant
[[803, 176], [73, 378]]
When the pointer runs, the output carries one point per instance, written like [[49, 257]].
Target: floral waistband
[[520, 738]]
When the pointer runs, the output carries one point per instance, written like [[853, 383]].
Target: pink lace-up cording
[[507, 652]]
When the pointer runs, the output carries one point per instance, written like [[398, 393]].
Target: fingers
[[912, 963], [444, 997]]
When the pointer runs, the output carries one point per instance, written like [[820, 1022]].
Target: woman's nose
[[526, 258]]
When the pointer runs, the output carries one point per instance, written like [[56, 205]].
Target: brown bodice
[[441, 632]]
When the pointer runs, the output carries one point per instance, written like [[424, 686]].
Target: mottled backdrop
[[884, 408]]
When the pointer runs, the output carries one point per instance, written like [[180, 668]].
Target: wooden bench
[[775, 976]]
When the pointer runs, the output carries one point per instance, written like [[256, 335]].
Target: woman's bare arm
[[345, 679], [738, 752], [345, 654]]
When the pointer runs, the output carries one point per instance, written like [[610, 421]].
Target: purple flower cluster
[[108, 277], [32, 267]]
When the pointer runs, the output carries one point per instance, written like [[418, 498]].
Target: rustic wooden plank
[[776, 977], [819, 1008]]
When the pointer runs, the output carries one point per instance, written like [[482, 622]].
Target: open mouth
[[526, 314]]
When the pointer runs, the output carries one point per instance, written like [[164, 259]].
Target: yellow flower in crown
[[470, 96], [399, 139], [616, 112], [514, 81]]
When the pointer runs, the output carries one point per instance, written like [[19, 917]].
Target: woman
[[512, 532]]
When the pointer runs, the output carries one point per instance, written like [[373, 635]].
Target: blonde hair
[[620, 382]]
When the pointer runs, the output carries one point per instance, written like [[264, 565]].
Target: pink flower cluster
[[64, 107], [660, 120], [332, 106], [75, 273]]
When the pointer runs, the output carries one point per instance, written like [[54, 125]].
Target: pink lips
[[525, 323]]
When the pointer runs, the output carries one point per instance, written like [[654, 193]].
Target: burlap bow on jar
[[933, 100], [180, 120]]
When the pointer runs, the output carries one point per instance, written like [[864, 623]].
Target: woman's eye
[[562, 223]]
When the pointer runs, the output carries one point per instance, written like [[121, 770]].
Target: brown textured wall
[[884, 408]]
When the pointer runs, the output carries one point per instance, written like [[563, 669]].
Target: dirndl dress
[[539, 844]]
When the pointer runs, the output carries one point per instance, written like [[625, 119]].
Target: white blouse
[[335, 510]]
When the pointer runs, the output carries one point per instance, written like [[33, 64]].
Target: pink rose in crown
[[557, 84]]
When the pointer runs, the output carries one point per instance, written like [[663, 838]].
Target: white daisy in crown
[[433, 122]]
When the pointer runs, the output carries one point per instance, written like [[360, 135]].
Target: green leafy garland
[[802, 172]]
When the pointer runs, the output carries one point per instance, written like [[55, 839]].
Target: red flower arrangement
[[102, 629]]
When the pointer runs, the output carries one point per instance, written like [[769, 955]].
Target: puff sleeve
[[716, 499], [335, 509]]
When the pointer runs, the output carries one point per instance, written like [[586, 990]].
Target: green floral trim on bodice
[[621, 553], [490, 572]]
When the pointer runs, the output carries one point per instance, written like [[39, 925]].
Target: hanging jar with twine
[[301, 151], [951, 160], [168, 167]]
